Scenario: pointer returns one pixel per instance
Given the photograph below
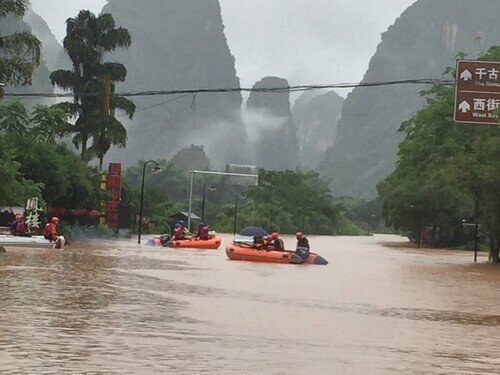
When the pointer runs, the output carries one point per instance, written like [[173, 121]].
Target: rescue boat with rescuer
[[21, 237], [244, 248], [212, 243]]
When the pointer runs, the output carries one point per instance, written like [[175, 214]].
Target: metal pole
[[419, 229], [142, 198], [475, 244], [203, 203], [476, 214], [270, 220], [190, 200], [235, 213]]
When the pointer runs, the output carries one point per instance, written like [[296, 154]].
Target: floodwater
[[119, 308]]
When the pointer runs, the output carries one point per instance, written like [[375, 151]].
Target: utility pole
[[105, 105], [235, 213]]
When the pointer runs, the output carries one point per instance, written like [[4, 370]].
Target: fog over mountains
[[316, 117], [181, 44], [34, 24], [421, 44]]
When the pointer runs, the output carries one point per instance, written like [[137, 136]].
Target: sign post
[[246, 179], [477, 93], [113, 187]]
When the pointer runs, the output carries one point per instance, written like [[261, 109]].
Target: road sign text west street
[[477, 94]]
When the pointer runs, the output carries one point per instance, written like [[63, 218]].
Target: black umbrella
[[253, 232]]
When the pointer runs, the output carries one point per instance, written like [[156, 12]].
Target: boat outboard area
[[252, 244]]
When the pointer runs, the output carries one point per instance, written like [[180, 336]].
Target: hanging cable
[[425, 81]]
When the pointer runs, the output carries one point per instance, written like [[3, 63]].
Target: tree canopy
[[19, 52], [445, 173], [92, 80], [32, 163]]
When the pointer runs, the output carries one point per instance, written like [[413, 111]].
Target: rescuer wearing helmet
[[178, 232], [18, 227], [50, 233], [302, 246], [202, 231], [277, 242], [50, 229]]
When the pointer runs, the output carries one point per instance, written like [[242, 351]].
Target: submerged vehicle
[[30, 241], [243, 248]]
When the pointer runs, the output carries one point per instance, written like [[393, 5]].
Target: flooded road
[[119, 308]]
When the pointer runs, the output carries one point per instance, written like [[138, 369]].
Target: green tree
[[45, 123], [19, 52], [91, 79], [445, 172], [287, 201], [14, 119], [49, 123], [14, 188], [109, 130], [172, 181], [33, 164]]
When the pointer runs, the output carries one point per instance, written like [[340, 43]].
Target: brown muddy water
[[107, 307]]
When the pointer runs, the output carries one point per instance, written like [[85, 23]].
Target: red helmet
[[298, 235], [54, 219], [274, 235]]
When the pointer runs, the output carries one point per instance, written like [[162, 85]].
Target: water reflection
[[114, 307]]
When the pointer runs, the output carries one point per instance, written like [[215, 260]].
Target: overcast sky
[[305, 41]]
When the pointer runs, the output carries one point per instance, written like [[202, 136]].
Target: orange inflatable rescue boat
[[212, 243], [244, 252]]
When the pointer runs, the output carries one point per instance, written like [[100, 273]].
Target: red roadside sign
[[477, 93]]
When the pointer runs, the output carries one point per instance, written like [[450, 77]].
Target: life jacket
[[21, 227], [303, 242], [302, 252], [279, 244], [50, 231], [203, 232], [178, 233]]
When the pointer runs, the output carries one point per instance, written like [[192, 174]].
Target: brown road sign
[[477, 93]]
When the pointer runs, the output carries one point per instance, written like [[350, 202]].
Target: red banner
[[113, 187]]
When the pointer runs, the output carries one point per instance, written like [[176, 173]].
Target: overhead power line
[[425, 81], [157, 104]]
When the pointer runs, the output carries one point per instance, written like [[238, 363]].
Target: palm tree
[[88, 39], [109, 131], [19, 52]]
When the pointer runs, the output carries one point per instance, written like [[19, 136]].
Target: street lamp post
[[203, 200], [476, 235], [419, 231], [156, 168], [475, 242]]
